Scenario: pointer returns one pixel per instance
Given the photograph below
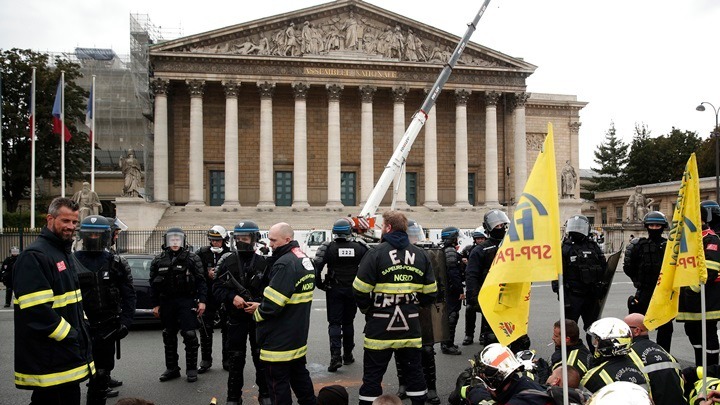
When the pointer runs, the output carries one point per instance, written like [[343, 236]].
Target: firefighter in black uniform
[[643, 260], [342, 257], [663, 370], [583, 270], [240, 278], [209, 256], [479, 237], [393, 280], [283, 319], [615, 360], [578, 355], [176, 282], [689, 307], [495, 223], [108, 300], [454, 293], [6, 274]]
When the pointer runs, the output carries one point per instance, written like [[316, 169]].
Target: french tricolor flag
[[57, 112], [89, 115]]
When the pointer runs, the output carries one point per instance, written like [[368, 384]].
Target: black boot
[[113, 383], [235, 380], [467, 341], [449, 348], [172, 370], [429, 372], [348, 358], [97, 393], [191, 354], [206, 341], [335, 361], [433, 398]]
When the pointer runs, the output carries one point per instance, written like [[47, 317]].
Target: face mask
[[216, 249], [655, 233], [497, 233], [577, 237]]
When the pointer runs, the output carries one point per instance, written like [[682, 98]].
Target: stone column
[[231, 144], [491, 150], [399, 94], [195, 164], [431, 164], [367, 160], [461, 149], [334, 162], [300, 90], [160, 142], [267, 180], [520, 142], [574, 150]]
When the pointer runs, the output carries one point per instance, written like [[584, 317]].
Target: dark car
[[140, 266]]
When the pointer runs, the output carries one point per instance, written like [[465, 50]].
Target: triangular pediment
[[341, 30]]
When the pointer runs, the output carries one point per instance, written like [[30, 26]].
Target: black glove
[[265, 250], [121, 332], [321, 285]]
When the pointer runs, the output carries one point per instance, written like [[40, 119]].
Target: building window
[[348, 181], [471, 188], [411, 188], [283, 189], [619, 214], [217, 187], [603, 215]]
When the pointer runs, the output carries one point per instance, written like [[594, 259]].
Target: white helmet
[[620, 392], [611, 337], [495, 364]]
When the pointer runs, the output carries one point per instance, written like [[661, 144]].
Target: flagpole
[[703, 317], [62, 133], [32, 150], [92, 134], [2, 180], [563, 343]]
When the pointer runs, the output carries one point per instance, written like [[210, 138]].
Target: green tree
[[16, 70], [706, 158], [611, 158], [661, 159]]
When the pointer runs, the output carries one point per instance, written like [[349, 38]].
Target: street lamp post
[[715, 135]]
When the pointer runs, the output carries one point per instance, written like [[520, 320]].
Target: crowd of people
[[74, 308]]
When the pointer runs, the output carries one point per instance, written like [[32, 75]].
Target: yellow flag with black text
[[530, 251], [684, 261]]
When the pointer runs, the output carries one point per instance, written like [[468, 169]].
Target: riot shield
[[612, 263], [434, 318]]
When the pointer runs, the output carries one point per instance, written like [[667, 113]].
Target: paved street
[[142, 360]]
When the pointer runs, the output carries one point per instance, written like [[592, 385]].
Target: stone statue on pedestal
[[638, 205], [568, 180], [130, 167], [88, 201]]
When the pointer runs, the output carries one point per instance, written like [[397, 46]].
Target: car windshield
[[140, 267]]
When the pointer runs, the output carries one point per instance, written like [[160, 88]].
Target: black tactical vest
[[583, 263], [650, 261], [100, 290], [175, 278]]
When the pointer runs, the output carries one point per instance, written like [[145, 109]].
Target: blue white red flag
[[89, 114], [57, 112]]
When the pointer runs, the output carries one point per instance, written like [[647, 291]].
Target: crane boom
[[397, 160]]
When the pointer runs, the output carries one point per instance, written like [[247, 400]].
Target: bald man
[[283, 319], [663, 370]]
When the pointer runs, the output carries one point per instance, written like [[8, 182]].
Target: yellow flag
[[684, 260], [530, 251]]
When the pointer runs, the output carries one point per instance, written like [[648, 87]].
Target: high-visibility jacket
[[52, 339], [283, 317], [689, 306], [662, 369], [393, 280], [578, 356], [628, 368]]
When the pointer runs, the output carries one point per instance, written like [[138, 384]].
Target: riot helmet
[[577, 228], [620, 392], [342, 228], [246, 231], [215, 234], [494, 365], [655, 218], [449, 235], [493, 219], [95, 233], [415, 231], [710, 213], [174, 238], [610, 337], [14, 250], [478, 233]]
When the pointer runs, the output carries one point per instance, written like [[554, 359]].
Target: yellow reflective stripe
[[269, 355], [301, 298], [429, 288], [257, 316], [697, 316], [712, 265], [572, 358], [61, 331], [590, 373], [463, 392], [606, 377], [36, 298], [376, 344], [49, 380], [398, 288], [275, 296], [362, 286], [68, 298]]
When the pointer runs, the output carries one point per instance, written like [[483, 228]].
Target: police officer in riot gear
[[177, 280], [108, 300], [209, 256], [690, 305], [479, 237], [240, 278], [454, 292], [6, 273], [584, 266], [342, 257], [495, 223], [643, 260]]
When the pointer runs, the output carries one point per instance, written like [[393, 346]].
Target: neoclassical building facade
[[305, 109]]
